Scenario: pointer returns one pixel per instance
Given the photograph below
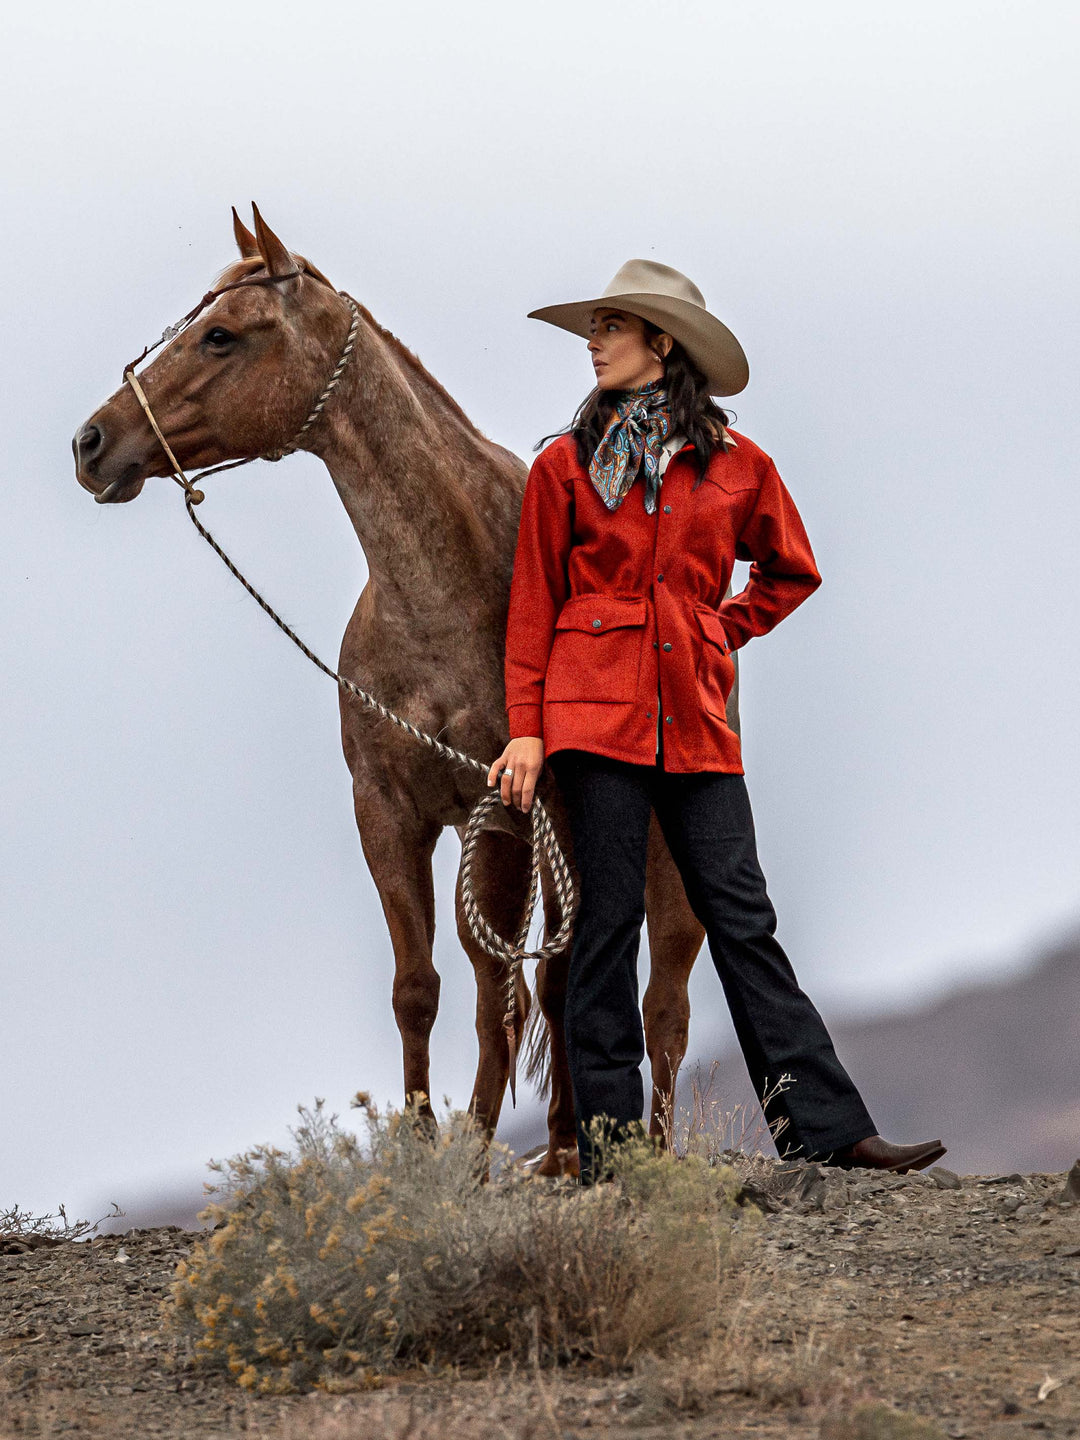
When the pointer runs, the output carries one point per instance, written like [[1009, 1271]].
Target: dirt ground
[[954, 1301]]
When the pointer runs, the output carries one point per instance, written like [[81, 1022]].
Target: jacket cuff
[[736, 636], [525, 720]]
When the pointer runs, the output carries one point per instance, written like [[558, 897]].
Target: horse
[[435, 506]]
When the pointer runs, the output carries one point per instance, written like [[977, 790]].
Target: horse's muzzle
[[108, 478]]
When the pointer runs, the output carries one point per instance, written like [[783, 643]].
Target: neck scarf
[[633, 440]]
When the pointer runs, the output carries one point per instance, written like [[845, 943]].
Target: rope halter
[[194, 495]]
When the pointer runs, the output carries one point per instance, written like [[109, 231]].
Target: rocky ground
[[953, 1300]]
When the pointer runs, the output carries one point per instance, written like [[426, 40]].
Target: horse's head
[[237, 382]]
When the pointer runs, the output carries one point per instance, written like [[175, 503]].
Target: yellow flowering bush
[[339, 1260]]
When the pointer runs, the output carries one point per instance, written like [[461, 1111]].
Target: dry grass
[[342, 1261], [494, 1416], [738, 1358], [707, 1127]]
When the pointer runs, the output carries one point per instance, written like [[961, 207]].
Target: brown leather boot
[[874, 1153]]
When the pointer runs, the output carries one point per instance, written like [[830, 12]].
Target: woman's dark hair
[[694, 413]]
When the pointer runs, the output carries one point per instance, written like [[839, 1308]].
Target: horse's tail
[[536, 1043]]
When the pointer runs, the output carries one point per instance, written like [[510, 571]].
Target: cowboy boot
[[874, 1153]]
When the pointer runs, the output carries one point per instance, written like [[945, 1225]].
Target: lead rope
[[545, 845]]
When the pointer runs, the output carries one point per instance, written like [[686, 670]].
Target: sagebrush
[[340, 1259]]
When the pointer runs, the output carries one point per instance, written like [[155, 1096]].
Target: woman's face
[[622, 356]]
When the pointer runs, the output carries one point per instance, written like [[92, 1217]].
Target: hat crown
[[649, 277]]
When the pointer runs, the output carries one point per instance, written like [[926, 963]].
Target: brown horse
[[435, 506]]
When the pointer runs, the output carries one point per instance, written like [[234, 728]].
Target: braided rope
[[331, 385]]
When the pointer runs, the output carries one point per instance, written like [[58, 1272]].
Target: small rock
[[945, 1179], [14, 1244], [813, 1188], [1005, 1180], [1071, 1191], [750, 1194], [802, 1184], [1011, 1205]]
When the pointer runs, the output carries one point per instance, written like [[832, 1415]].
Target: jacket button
[[648, 714], [659, 577], [668, 719], [596, 624], [655, 645], [667, 509], [667, 644]]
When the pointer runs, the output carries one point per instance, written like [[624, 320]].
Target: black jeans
[[709, 829]]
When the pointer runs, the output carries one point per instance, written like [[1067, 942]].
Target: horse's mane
[[241, 269]]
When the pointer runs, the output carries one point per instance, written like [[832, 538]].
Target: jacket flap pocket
[[598, 613], [712, 628], [731, 474]]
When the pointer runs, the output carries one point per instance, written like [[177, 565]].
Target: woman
[[618, 671]]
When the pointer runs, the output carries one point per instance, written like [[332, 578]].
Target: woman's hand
[[525, 758]]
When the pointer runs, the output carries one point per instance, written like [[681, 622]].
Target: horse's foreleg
[[500, 881], [675, 937], [398, 850], [562, 1153]]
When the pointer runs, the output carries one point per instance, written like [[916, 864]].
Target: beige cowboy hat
[[666, 298]]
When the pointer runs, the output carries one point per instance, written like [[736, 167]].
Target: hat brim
[[708, 341]]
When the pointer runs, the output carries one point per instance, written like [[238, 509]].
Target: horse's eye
[[218, 336]]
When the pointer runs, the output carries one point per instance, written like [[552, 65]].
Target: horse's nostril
[[87, 442]]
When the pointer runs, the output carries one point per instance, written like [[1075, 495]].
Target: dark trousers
[[709, 829]]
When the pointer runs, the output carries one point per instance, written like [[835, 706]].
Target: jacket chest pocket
[[596, 651], [716, 668]]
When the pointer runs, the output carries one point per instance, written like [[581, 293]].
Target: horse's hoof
[[559, 1163]]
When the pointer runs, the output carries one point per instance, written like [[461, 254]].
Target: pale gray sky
[[880, 202]]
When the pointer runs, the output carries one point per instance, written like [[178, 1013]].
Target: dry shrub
[[21, 1230], [341, 1260]]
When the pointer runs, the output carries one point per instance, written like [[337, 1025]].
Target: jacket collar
[[729, 442]]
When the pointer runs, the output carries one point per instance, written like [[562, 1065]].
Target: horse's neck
[[434, 504]]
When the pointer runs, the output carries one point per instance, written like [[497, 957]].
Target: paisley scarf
[[634, 438]]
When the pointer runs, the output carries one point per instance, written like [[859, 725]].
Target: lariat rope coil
[[545, 845]]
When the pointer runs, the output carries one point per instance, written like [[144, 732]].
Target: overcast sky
[[880, 201]]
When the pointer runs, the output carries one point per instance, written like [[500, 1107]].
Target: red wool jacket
[[616, 613]]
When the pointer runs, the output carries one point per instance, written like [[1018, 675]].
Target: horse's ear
[[277, 258], [249, 246]]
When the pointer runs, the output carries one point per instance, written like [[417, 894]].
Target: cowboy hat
[[665, 297]]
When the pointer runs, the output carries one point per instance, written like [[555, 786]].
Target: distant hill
[[993, 1068]]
